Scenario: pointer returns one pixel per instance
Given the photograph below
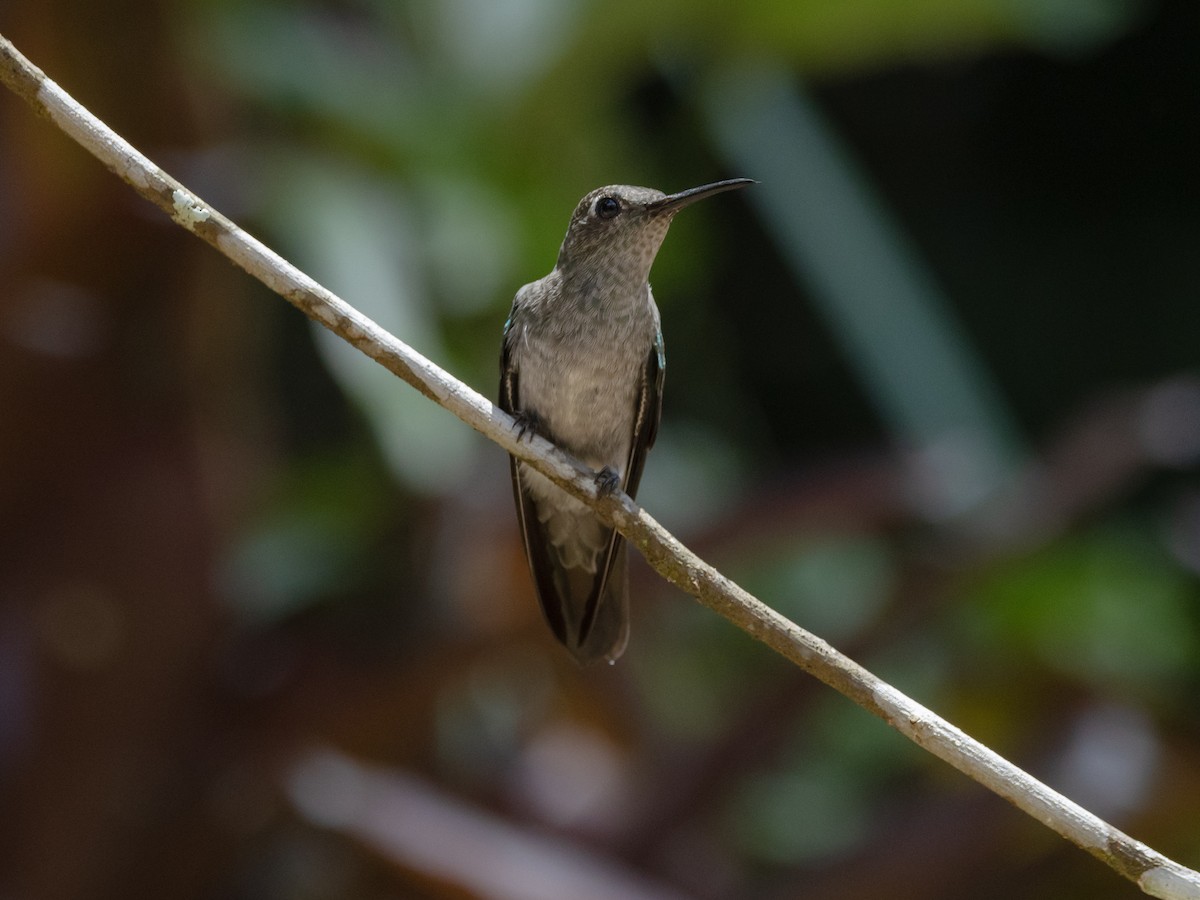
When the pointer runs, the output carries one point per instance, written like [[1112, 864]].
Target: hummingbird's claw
[[607, 481], [527, 422]]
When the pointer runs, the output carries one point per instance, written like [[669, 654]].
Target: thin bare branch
[[1155, 874]]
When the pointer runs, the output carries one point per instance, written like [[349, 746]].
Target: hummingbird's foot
[[527, 422], [607, 481]]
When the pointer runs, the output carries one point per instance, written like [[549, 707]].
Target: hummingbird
[[582, 365]]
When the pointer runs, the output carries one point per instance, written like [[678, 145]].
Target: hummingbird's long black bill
[[672, 203]]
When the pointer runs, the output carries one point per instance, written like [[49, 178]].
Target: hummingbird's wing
[[610, 589], [537, 544], [645, 425]]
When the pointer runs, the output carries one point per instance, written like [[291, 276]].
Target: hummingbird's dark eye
[[607, 207]]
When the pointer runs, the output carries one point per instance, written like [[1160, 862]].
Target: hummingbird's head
[[619, 228]]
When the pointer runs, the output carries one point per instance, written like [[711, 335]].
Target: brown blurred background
[[265, 625]]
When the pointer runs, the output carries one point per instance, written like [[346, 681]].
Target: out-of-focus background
[[934, 392]]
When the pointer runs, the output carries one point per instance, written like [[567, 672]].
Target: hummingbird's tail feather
[[587, 610], [578, 594], [547, 573], [604, 630], [613, 550], [584, 595]]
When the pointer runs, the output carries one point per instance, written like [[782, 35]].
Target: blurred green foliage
[[1106, 607]]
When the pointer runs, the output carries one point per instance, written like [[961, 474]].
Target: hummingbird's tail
[[595, 609], [579, 572]]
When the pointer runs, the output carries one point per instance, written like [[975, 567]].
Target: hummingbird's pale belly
[[586, 400]]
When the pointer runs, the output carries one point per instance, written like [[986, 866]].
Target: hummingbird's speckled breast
[[581, 368]]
